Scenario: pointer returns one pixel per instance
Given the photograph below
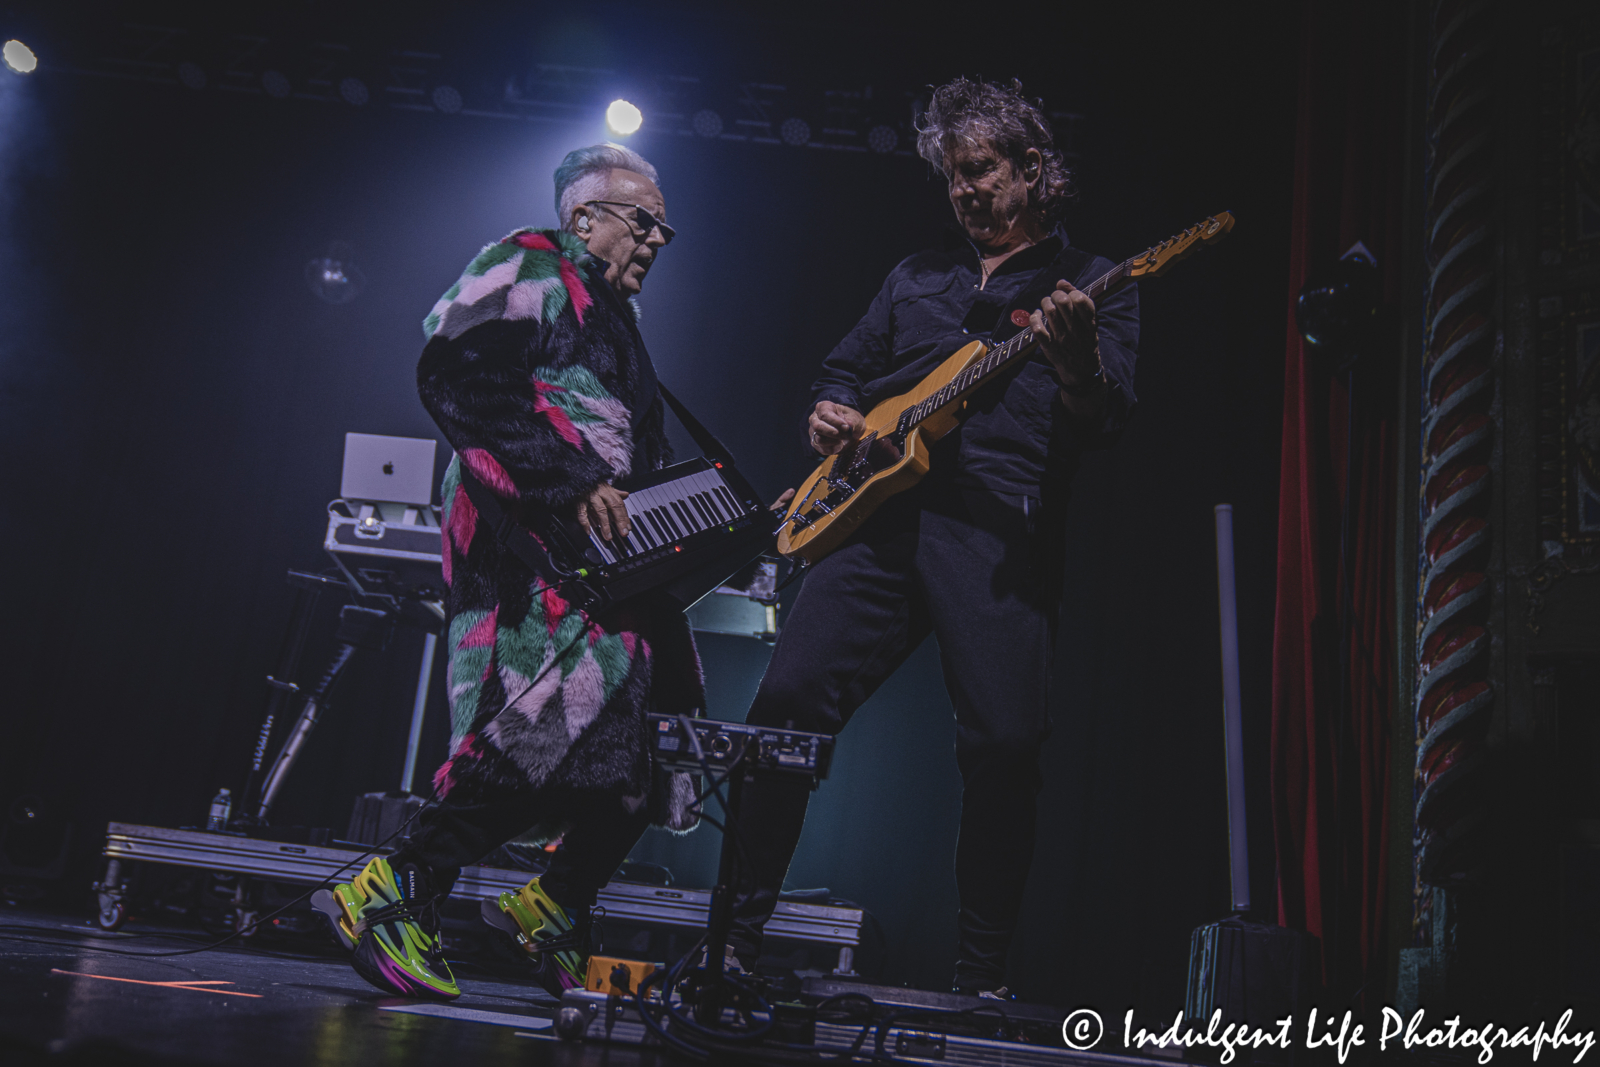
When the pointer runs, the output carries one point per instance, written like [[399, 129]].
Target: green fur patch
[[467, 667], [573, 384], [491, 256], [612, 656], [447, 488]]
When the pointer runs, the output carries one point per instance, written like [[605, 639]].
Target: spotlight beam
[[19, 57], [623, 117]]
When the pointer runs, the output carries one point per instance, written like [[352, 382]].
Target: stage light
[[19, 57], [333, 276], [446, 99], [883, 139], [795, 131], [1338, 309], [190, 76], [623, 117], [354, 91], [707, 123]]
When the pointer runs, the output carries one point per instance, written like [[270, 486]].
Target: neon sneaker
[[558, 943], [390, 921]]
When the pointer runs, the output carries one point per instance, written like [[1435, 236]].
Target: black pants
[[452, 836], [978, 570]]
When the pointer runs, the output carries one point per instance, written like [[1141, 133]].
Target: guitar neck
[[998, 358]]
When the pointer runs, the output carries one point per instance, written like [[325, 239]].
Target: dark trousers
[[978, 570], [453, 835]]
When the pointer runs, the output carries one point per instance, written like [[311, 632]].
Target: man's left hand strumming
[[1069, 339]]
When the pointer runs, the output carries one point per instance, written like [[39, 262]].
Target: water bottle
[[221, 806]]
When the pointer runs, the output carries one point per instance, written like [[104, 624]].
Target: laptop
[[383, 469]]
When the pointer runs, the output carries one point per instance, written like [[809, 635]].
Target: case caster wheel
[[571, 1023], [111, 916]]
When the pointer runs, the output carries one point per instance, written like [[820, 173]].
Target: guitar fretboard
[[999, 357]]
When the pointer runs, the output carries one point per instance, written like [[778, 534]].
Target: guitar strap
[[512, 535], [644, 398], [648, 385], [714, 449]]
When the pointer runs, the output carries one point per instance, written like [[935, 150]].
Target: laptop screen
[[393, 469]]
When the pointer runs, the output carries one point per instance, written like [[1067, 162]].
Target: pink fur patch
[[461, 527], [536, 240], [629, 639], [443, 780], [489, 472], [560, 421], [555, 608], [580, 296], [482, 635]]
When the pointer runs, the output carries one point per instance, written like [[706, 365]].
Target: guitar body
[[892, 453], [881, 469]]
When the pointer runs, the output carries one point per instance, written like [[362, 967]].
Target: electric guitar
[[891, 455]]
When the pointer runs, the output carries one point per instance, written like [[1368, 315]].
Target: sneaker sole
[[550, 975], [497, 918], [381, 971], [324, 901]]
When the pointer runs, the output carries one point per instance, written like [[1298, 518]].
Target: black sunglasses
[[641, 218]]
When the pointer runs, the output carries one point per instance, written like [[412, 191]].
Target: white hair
[[584, 174]]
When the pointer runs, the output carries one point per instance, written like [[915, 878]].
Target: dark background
[[173, 401]]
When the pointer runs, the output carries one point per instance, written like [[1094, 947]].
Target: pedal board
[[724, 743], [619, 977], [1008, 1020], [591, 1016]]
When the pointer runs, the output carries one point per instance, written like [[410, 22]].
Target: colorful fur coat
[[531, 370]]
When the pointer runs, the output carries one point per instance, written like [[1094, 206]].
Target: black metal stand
[[308, 589], [721, 918], [359, 628], [712, 996]]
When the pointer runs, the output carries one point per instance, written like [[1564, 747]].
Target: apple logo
[[388, 468]]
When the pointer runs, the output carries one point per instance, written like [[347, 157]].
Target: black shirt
[[1016, 428]]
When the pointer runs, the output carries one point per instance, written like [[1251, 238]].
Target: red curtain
[[1330, 769]]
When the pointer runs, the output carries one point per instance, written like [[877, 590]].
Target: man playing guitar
[[972, 553]]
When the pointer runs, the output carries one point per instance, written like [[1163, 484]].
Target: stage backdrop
[[1330, 762]]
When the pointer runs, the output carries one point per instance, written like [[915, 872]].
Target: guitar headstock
[[1153, 261]]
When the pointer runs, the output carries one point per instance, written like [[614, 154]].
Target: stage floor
[[63, 991], [74, 996]]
